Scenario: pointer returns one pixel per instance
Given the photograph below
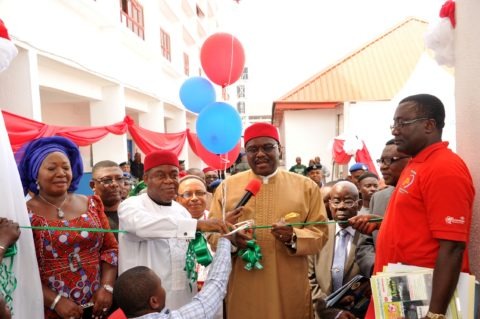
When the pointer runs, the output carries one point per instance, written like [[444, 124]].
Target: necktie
[[339, 259]]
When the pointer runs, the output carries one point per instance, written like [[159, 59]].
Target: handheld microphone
[[251, 189]]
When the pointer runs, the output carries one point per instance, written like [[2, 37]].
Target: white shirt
[[157, 238]]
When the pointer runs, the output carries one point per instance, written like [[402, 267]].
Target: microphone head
[[253, 186]]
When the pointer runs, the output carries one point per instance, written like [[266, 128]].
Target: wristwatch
[[108, 288], [432, 315]]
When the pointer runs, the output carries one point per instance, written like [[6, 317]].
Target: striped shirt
[[206, 303]]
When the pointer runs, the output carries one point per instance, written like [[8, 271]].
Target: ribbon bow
[[197, 251], [8, 282], [251, 255]]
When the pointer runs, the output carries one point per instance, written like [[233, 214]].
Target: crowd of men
[[305, 238]]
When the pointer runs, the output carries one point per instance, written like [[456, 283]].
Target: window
[[241, 107], [240, 91], [245, 74], [186, 64], [165, 44], [131, 15]]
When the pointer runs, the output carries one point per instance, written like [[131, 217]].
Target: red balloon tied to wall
[[222, 161], [222, 58]]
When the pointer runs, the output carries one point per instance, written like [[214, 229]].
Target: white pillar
[[177, 122], [154, 120], [108, 111], [467, 95], [19, 86]]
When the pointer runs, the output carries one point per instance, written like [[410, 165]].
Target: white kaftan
[[157, 238]]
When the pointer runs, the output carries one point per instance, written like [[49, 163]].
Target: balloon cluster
[[219, 126]]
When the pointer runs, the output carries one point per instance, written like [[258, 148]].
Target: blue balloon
[[196, 93], [219, 127]]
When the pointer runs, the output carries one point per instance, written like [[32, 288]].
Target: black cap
[[313, 167]]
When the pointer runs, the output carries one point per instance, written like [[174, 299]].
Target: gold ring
[[105, 309]]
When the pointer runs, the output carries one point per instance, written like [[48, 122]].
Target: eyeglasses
[[266, 148], [110, 181], [402, 124], [188, 195], [389, 160], [348, 203]]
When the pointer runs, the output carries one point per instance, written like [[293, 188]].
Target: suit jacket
[[379, 203], [320, 265]]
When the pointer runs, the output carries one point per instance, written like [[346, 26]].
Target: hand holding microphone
[[241, 236], [251, 189]]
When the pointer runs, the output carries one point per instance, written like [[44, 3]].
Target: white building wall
[[109, 110], [70, 114], [19, 86], [370, 122], [467, 68], [75, 51], [308, 133]]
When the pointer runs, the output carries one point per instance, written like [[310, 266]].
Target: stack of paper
[[403, 291]]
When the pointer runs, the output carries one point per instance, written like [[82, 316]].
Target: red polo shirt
[[433, 200]]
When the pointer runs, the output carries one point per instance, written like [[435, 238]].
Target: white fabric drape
[[27, 298]]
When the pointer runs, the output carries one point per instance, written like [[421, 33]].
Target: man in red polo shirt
[[427, 222]]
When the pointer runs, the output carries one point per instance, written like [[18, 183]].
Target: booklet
[[354, 296], [405, 295], [465, 288]]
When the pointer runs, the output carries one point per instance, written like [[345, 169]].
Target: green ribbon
[[373, 220], [79, 229], [101, 230], [8, 282], [197, 251], [251, 255]]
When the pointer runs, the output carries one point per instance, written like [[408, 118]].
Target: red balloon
[[222, 58], [222, 161]]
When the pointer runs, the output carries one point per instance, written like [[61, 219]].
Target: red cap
[[261, 130], [157, 158], [253, 186], [208, 169]]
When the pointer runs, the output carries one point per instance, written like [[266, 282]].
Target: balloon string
[[231, 63]]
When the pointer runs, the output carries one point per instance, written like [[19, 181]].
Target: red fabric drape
[[338, 153], [341, 157], [21, 130], [149, 141], [192, 141], [363, 156]]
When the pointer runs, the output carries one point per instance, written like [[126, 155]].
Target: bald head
[[342, 186]]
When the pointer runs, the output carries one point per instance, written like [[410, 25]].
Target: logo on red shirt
[[408, 181], [452, 220]]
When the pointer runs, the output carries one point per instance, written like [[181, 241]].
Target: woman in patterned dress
[[77, 268]]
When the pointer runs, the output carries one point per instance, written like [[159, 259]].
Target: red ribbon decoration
[[448, 11]]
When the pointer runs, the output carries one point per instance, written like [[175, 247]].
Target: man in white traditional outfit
[[25, 268], [159, 229], [281, 288]]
